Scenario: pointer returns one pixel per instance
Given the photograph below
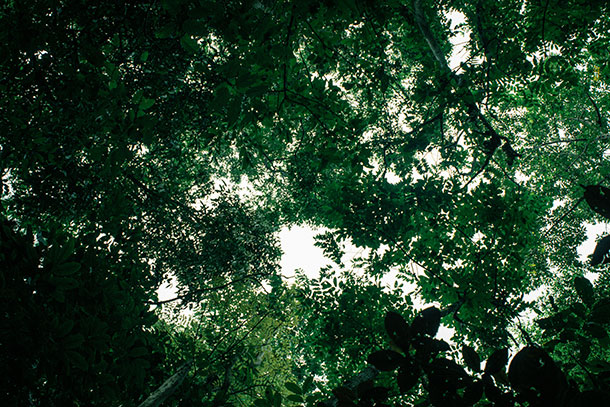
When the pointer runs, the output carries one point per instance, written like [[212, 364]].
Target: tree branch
[[203, 290], [422, 24], [168, 387]]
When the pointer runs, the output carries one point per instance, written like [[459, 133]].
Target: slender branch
[[563, 216], [286, 45], [423, 26], [203, 290], [599, 115]]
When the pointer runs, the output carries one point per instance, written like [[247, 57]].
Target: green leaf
[[307, 384], [189, 44], [67, 269], [584, 288], [295, 398], [293, 387], [146, 103], [65, 283], [595, 330], [144, 56]]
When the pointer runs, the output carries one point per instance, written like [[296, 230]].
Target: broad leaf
[[427, 322], [293, 387], [598, 198], [497, 361], [535, 375], [601, 311], [584, 288], [601, 254], [471, 358], [398, 330], [408, 376], [385, 360]]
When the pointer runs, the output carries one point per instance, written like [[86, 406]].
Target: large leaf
[[471, 358], [427, 322], [598, 198], [535, 375], [408, 375], [385, 360], [584, 288], [601, 311], [473, 392], [398, 330], [293, 387], [496, 361], [601, 252]]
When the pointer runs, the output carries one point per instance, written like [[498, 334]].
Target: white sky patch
[[299, 251], [459, 40], [594, 233]]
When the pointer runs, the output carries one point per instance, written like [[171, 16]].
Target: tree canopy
[[463, 146]]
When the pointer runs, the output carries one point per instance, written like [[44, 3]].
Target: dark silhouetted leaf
[[598, 198], [445, 378], [398, 330], [473, 392], [408, 375], [510, 153], [427, 322], [496, 361], [376, 394], [344, 396], [584, 288], [601, 252], [385, 360], [364, 387], [492, 392], [547, 323], [536, 377], [471, 358], [427, 348], [590, 398], [601, 311]]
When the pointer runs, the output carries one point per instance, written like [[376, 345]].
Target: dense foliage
[[463, 146]]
